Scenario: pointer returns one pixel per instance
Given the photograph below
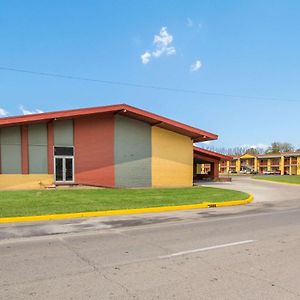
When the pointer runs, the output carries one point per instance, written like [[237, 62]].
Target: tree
[[277, 147], [253, 151], [235, 151]]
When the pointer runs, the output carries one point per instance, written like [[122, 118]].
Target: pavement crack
[[81, 257], [95, 268]]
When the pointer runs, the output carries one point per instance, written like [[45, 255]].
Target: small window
[[63, 151]]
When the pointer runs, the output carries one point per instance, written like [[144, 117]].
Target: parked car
[[267, 173], [254, 172], [244, 172]]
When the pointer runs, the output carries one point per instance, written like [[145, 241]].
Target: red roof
[[196, 134], [272, 155], [214, 154], [290, 153]]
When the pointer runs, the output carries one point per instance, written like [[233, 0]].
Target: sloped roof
[[196, 134], [213, 154]]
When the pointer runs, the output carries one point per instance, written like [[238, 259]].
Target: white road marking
[[206, 249]]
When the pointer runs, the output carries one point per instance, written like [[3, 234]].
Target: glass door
[[64, 169], [69, 169], [59, 169]]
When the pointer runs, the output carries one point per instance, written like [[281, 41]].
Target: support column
[[238, 165], [255, 164], [24, 143], [281, 165], [269, 164], [227, 166], [290, 167], [199, 168], [202, 168], [214, 170], [298, 165]]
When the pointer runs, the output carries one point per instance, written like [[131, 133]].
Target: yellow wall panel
[[172, 159], [25, 182]]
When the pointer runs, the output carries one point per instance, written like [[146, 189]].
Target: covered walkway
[[206, 163]]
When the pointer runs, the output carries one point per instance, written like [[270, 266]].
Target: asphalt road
[[249, 252]]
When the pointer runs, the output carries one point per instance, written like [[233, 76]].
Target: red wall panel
[[94, 150]]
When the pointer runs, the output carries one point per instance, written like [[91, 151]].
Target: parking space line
[[206, 248]]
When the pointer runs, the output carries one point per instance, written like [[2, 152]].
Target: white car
[[244, 172], [267, 173]]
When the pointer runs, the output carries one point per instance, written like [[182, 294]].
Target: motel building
[[108, 146], [287, 163]]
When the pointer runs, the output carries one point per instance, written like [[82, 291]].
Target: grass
[[278, 178], [28, 203]]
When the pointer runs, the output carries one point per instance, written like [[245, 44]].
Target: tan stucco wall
[[25, 182]]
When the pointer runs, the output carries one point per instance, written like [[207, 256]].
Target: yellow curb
[[124, 211]]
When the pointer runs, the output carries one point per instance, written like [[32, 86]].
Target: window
[[63, 151]]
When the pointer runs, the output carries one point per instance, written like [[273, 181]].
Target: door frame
[[64, 169]]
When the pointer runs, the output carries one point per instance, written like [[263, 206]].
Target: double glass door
[[64, 168]]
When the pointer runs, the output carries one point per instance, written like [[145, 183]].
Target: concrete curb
[[124, 211]]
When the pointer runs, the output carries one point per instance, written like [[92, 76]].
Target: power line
[[136, 85], [96, 80]]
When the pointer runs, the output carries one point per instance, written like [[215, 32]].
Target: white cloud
[[195, 66], [145, 57], [3, 112], [29, 112], [189, 22], [162, 43]]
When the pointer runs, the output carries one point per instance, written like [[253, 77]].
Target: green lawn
[[278, 178], [26, 203]]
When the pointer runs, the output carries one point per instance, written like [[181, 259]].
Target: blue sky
[[249, 48]]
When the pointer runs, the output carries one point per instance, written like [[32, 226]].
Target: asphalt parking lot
[[264, 191]]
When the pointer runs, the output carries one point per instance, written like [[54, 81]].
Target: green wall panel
[[37, 149], [38, 160], [10, 143], [132, 153], [63, 133], [37, 134], [11, 135]]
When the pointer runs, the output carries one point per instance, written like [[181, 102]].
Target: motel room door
[[63, 165]]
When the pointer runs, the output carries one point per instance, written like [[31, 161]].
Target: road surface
[[249, 252]]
